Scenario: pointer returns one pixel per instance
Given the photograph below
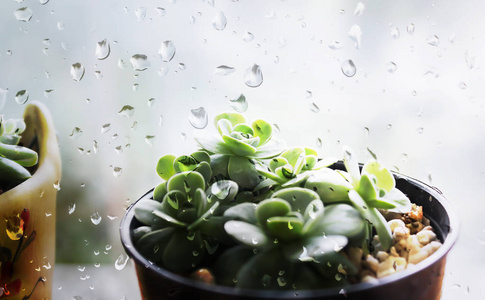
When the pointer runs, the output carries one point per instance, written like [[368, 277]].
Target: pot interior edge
[[443, 219]]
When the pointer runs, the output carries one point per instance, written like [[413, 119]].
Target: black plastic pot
[[423, 281]]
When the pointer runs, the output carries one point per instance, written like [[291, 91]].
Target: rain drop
[[76, 133], [3, 96], [121, 64], [121, 261], [163, 70], [60, 25], [96, 218], [355, 34], [23, 14], [470, 60], [150, 102], [240, 104], [219, 22], [22, 97], [395, 34], [117, 171], [198, 118], [57, 185], [359, 9], [105, 128], [420, 130], [254, 76], [308, 94], [71, 208], [42, 2], [77, 72], [348, 68], [410, 28], [319, 142], [139, 62], [433, 40], [462, 85], [314, 108], [430, 70], [391, 67], [102, 49], [161, 11], [224, 70], [141, 13], [149, 139], [167, 51], [248, 37], [127, 111], [182, 66], [335, 45]]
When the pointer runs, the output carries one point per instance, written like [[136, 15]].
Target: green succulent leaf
[[183, 251], [271, 208], [12, 171], [399, 200], [271, 149], [313, 216], [385, 180], [224, 190], [169, 219], [238, 147], [243, 211], [330, 185], [22, 155], [224, 126], [144, 211], [263, 130], [160, 191], [242, 170], [351, 165], [152, 244], [285, 228], [247, 234], [245, 129], [201, 156], [187, 182], [367, 188], [343, 219], [298, 198], [233, 118], [165, 167]]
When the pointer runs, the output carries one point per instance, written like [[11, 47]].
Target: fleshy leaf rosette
[[286, 236], [174, 232], [14, 158], [375, 188], [237, 147]]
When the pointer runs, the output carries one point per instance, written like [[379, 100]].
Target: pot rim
[[447, 244]]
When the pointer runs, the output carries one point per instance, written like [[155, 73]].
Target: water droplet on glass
[[22, 97], [105, 128], [3, 96], [240, 104], [167, 51], [23, 14], [248, 36], [391, 67], [355, 34], [219, 22], [163, 70], [198, 118], [314, 108], [254, 76], [308, 94], [140, 13], [182, 66], [42, 2], [395, 34], [433, 40], [420, 130], [470, 60], [161, 11], [117, 171], [112, 217], [281, 281], [430, 70], [102, 49], [127, 111], [389, 126], [462, 85], [77, 71], [276, 60], [335, 45], [76, 133], [121, 64], [71, 208], [46, 94], [348, 68], [81, 268], [149, 139], [139, 62], [60, 25], [96, 218], [410, 28], [319, 142], [359, 9], [121, 261], [224, 70]]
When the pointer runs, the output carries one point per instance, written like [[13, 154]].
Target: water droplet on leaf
[[254, 76], [198, 118]]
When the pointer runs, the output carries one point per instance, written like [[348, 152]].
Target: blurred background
[[129, 81]]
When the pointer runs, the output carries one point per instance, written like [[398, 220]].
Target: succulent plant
[[14, 158], [238, 147], [261, 216], [295, 229]]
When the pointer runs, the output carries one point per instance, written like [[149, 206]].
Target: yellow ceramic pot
[[27, 232]]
